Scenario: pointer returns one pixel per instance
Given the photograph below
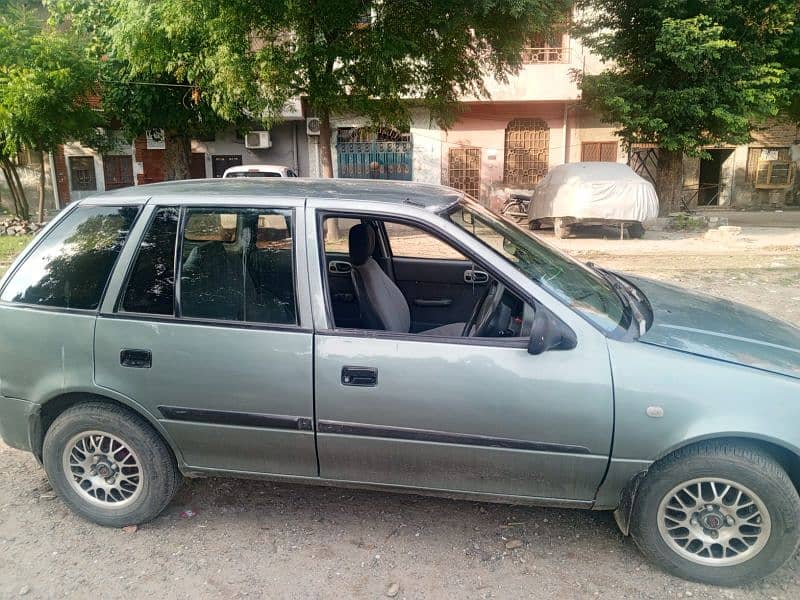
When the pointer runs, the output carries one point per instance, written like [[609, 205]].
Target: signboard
[[156, 140]]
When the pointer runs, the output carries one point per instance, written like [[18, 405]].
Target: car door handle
[[136, 359], [473, 276], [360, 376], [433, 301], [340, 267]]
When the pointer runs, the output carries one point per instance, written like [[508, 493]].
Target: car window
[[70, 267], [336, 231], [238, 266], [407, 241], [151, 286]]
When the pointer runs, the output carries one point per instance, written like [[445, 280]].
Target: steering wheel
[[479, 324]]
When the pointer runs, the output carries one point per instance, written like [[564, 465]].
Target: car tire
[[560, 229], [636, 231], [720, 539], [535, 225], [109, 465]]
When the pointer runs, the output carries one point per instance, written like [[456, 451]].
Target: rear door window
[[151, 285], [70, 267], [238, 265]]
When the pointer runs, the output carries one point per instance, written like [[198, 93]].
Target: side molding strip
[[443, 437], [242, 419]]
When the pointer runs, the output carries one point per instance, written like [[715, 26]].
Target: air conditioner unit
[[312, 126], [257, 140]]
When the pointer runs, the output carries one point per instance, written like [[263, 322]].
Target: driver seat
[[381, 302]]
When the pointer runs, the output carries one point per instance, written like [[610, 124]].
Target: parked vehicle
[[205, 328], [258, 171], [593, 193], [516, 207]]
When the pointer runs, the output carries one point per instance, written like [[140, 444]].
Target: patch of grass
[[10, 246]]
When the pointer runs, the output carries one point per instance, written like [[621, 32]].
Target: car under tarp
[[594, 191]]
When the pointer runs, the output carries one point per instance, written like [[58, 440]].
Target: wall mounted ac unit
[[257, 140], [312, 126]]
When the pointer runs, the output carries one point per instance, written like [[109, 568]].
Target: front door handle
[[474, 276], [360, 376], [136, 359]]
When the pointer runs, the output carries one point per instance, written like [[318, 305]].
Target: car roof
[[265, 168], [425, 195]]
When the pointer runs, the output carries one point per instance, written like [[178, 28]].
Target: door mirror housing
[[549, 333]]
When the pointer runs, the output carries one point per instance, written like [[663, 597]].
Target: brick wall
[[152, 162], [775, 133], [62, 177]]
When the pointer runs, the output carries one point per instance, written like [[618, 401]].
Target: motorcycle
[[516, 207]]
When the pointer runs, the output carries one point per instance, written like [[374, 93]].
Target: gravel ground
[[265, 540]]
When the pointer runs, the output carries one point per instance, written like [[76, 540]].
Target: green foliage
[[126, 95], [365, 56], [686, 73], [45, 82]]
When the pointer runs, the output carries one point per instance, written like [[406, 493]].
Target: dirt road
[[263, 540]]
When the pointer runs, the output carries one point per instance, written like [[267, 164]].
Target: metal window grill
[[464, 170], [82, 173], [527, 149]]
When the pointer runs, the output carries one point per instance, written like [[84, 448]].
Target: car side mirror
[[549, 333]]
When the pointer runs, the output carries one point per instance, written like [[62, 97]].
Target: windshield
[[570, 281]]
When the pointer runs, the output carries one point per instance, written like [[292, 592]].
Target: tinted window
[[237, 265], [70, 267], [151, 286]]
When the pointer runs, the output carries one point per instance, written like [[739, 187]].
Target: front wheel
[[719, 513], [109, 465]]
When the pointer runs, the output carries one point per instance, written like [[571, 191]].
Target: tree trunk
[[21, 208], [669, 181], [177, 157], [40, 217], [325, 154]]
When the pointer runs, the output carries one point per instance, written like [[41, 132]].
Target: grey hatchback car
[[396, 336]]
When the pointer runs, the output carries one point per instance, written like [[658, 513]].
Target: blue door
[[367, 154]]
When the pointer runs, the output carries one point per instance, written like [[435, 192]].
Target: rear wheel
[[720, 513], [109, 465], [636, 230], [515, 211]]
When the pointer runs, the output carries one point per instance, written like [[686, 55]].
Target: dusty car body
[[592, 193], [218, 328], [258, 171]]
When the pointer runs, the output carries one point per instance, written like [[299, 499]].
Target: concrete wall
[[282, 151]]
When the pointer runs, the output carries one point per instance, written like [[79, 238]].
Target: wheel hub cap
[[714, 522], [102, 469]]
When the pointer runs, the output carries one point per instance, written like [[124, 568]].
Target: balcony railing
[[543, 56]]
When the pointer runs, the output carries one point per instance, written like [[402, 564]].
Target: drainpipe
[[54, 179], [296, 152], [566, 133]]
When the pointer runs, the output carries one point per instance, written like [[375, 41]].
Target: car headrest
[[362, 243]]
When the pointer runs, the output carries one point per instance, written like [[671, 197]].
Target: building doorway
[[716, 177], [464, 170]]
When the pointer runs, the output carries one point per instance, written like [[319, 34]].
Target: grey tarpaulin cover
[[594, 190]]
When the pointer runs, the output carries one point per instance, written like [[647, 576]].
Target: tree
[[142, 99], [45, 83], [686, 74], [370, 57]]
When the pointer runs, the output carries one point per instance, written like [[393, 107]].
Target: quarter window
[[237, 265], [151, 286], [70, 267]]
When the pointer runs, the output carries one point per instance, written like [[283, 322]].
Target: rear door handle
[[473, 276], [360, 376], [341, 267], [136, 359]]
